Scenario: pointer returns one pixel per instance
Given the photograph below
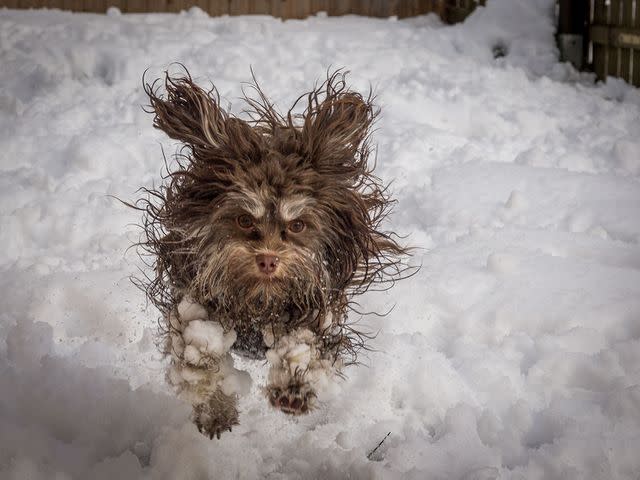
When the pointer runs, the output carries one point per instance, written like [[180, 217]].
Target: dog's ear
[[336, 126], [193, 116]]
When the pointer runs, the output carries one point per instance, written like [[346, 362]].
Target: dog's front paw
[[295, 399], [216, 416]]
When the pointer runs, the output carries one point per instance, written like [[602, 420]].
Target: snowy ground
[[514, 353]]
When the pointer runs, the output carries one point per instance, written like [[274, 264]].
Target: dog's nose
[[267, 264]]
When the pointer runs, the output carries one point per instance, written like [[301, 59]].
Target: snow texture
[[200, 352], [514, 353]]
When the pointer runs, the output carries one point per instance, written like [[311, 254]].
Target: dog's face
[[262, 252], [273, 241], [279, 215]]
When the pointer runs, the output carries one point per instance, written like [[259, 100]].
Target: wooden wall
[[614, 33], [449, 10]]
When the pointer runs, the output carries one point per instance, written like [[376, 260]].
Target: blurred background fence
[[449, 10], [614, 33], [603, 36]]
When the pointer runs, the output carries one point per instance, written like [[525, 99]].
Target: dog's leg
[[202, 368], [302, 364]]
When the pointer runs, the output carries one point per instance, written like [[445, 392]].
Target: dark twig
[[379, 445]]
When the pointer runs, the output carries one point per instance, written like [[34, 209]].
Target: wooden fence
[[449, 10], [614, 36]]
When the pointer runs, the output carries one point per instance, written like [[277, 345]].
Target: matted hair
[[323, 151]]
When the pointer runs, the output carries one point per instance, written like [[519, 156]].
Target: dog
[[260, 237]]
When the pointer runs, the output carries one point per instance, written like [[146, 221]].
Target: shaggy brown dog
[[261, 235]]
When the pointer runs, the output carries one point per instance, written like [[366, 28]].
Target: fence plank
[[308, 8], [599, 12], [218, 7], [157, 5], [339, 7], [417, 7], [174, 6], [379, 8], [300, 8], [238, 7], [356, 7], [275, 8], [363, 7], [260, 7], [405, 8], [137, 6], [626, 13], [613, 52], [600, 61], [286, 9], [28, 4], [320, 5], [615, 9], [54, 4], [599, 50], [635, 78], [96, 6]]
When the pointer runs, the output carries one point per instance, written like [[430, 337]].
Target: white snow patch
[[208, 337]]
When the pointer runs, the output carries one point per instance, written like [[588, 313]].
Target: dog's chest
[[249, 342]]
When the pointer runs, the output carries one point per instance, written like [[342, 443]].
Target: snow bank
[[513, 354], [517, 33]]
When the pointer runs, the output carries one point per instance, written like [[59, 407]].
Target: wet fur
[[314, 166]]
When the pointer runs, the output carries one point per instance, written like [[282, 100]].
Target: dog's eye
[[244, 221], [296, 226]]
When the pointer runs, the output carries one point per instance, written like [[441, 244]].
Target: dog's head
[[274, 214]]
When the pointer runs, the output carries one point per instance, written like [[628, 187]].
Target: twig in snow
[[379, 445]]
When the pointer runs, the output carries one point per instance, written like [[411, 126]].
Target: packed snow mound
[[518, 32], [514, 353]]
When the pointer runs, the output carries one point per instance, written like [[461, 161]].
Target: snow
[[208, 337], [514, 353], [195, 342]]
